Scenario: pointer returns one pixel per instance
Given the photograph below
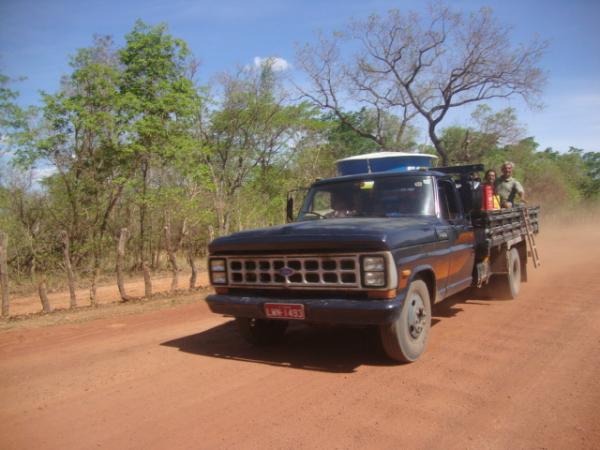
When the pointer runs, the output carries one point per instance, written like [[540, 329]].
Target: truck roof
[[379, 155], [370, 176]]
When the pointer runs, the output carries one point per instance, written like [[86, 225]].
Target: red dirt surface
[[497, 375]]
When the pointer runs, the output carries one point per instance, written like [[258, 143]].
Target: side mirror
[[290, 209], [290, 202]]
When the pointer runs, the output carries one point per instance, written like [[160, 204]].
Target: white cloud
[[277, 64], [40, 173]]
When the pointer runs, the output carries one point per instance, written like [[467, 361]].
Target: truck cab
[[431, 198]]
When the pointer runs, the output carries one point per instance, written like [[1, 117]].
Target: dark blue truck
[[373, 249]]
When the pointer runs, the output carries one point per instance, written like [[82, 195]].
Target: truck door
[[461, 238], [445, 236]]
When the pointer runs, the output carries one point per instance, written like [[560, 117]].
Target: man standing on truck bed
[[507, 187]]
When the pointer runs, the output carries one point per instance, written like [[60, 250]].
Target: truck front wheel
[[405, 339], [261, 331]]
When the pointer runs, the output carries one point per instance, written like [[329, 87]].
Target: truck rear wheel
[[510, 284], [261, 331], [405, 339]]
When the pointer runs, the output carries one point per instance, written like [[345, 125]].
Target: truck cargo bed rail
[[505, 224]]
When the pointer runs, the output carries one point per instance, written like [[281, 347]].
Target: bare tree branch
[[412, 65]]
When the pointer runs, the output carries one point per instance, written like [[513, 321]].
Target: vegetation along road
[[497, 374]]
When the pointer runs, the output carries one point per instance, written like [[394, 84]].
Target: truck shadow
[[451, 306], [325, 348]]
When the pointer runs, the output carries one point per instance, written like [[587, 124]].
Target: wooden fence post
[[147, 279], [42, 287], [94, 286], [43, 291], [4, 272], [185, 238], [95, 269], [172, 258], [69, 268], [120, 261], [194, 275]]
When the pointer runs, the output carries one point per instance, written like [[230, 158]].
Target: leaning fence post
[[4, 272], [172, 258], [194, 275], [120, 262], [147, 279], [43, 293], [69, 268]]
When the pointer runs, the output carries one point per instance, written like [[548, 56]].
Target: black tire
[[261, 331], [509, 285], [405, 339]]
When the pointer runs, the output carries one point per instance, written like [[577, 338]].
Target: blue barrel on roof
[[383, 162]]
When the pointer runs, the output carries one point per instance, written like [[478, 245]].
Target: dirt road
[[497, 375]]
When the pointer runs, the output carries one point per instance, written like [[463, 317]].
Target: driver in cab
[[342, 206]]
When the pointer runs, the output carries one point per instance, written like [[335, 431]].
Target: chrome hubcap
[[416, 316]]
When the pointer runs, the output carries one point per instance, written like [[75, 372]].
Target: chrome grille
[[316, 271]]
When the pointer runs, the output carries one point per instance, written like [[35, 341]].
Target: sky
[[37, 37]]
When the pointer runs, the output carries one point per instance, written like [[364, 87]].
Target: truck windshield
[[377, 197]]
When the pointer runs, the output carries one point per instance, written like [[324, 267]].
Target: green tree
[[160, 102], [9, 110], [490, 130], [13, 120], [81, 135], [589, 183], [249, 138]]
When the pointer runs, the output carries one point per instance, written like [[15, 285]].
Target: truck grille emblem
[[286, 272]]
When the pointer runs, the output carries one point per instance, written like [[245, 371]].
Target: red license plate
[[284, 311]]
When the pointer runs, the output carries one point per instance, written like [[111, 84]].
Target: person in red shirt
[[490, 180]]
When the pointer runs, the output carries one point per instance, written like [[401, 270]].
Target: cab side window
[[449, 205], [322, 202], [445, 214]]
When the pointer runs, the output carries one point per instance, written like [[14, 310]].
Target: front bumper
[[331, 310]]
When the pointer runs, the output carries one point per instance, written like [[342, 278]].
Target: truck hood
[[355, 234]]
